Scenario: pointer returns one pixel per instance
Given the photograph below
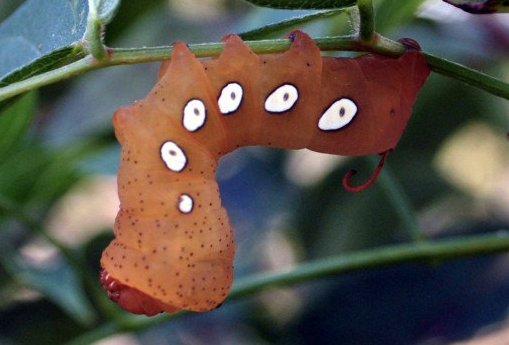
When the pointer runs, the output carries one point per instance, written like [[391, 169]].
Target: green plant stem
[[430, 251], [433, 251], [379, 45], [367, 20], [93, 33], [78, 67], [469, 76]]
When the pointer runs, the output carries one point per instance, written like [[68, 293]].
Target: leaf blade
[[38, 28], [304, 4], [480, 6]]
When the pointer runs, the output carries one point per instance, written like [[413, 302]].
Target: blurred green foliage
[[60, 137]]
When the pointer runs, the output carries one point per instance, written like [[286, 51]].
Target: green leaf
[[38, 28], [34, 177], [38, 36], [303, 4], [286, 24], [104, 10], [391, 14], [41, 65], [14, 123], [481, 6]]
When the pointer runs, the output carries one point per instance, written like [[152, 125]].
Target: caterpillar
[[173, 247]]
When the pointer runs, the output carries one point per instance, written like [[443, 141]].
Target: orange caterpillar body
[[174, 246]]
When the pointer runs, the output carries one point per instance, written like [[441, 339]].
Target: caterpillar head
[[131, 299]]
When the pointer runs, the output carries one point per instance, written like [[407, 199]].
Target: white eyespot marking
[[338, 115], [230, 98], [282, 99], [194, 115], [185, 203], [173, 156]]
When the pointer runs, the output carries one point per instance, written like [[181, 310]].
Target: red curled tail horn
[[369, 182]]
